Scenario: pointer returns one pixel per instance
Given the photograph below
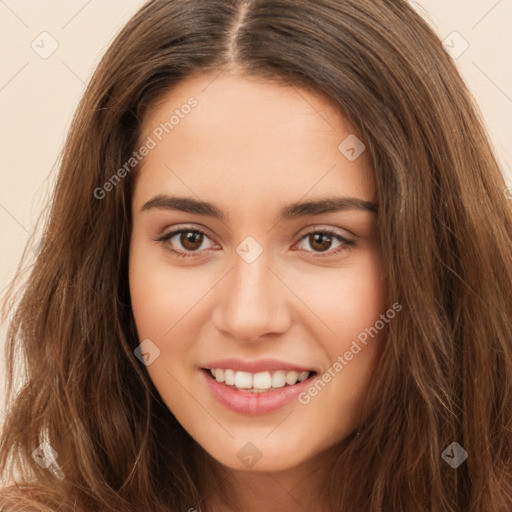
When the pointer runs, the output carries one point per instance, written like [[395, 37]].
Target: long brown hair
[[446, 231]]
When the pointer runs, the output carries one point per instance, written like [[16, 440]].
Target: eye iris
[[191, 240], [322, 239]]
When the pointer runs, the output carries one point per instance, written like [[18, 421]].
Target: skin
[[251, 147]]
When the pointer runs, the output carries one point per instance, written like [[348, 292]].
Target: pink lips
[[246, 402]]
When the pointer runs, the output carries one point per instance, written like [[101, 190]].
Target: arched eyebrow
[[326, 205], [288, 212]]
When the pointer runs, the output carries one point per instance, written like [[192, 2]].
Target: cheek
[[350, 301], [161, 295], [161, 299], [343, 301], [364, 295]]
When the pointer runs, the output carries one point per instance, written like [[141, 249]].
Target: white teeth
[[303, 376], [291, 378], [279, 379], [243, 380], [262, 380], [229, 377], [258, 382]]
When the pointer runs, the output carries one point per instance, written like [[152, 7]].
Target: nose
[[252, 301]]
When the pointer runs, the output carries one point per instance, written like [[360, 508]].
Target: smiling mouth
[[260, 382]]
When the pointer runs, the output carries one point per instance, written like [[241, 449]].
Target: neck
[[300, 487]]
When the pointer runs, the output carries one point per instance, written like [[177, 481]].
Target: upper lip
[[255, 366]]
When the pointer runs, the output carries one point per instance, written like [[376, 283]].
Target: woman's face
[[238, 265]]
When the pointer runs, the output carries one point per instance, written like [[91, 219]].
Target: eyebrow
[[289, 212]]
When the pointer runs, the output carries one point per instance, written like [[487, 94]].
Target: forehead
[[253, 135]]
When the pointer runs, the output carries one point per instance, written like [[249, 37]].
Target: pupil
[[189, 240], [318, 239]]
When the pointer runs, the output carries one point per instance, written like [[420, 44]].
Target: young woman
[[276, 275]]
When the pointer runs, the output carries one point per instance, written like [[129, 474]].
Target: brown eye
[[191, 240], [186, 242], [325, 241], [320, 241]]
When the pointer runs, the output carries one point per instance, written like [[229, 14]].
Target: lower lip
[[246, 402]]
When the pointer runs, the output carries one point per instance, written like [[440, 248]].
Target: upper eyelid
[[174, 231], [313, 229]]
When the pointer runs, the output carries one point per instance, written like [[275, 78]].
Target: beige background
[[38, 95]]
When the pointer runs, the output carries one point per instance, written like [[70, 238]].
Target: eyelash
[[346, 242]]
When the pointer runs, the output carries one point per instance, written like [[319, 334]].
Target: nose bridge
[[251, 282], [252, 301]]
